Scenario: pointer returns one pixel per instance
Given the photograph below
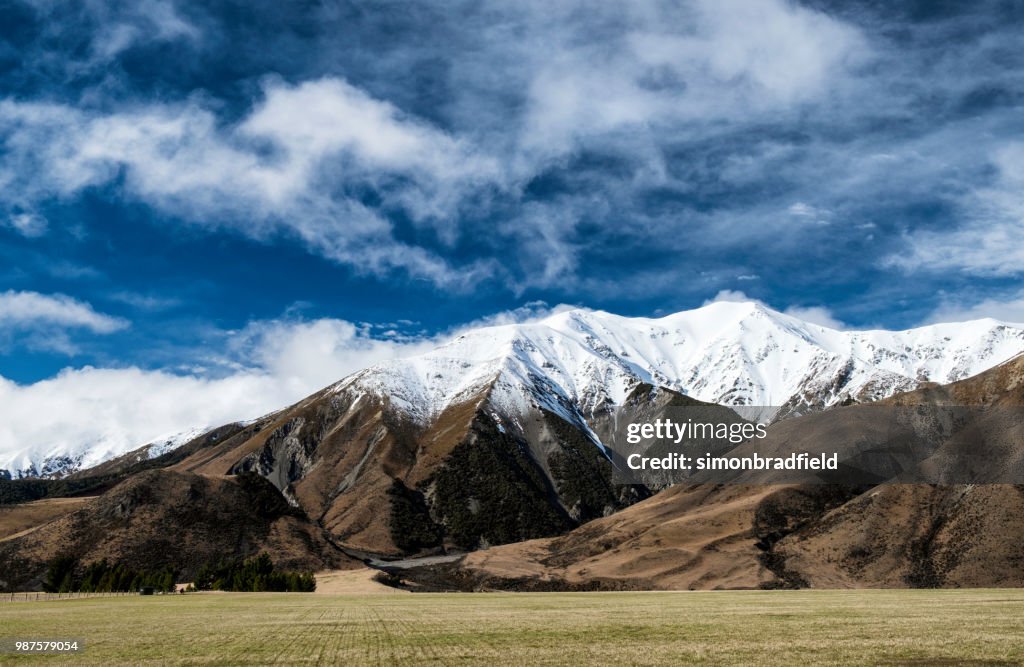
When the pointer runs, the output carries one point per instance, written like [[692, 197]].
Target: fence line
[[43, 597]]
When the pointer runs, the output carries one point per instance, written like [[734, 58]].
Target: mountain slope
[[382, 482], [757, 536]]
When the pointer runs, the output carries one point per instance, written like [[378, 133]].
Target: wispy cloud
[[987, 241], [584, 150], [1008, 308], [816, 315], [819, 315], [110, 28], [145, 302], [32, 309], [28, 224], [44, 321], [303, 159], [286, 167]]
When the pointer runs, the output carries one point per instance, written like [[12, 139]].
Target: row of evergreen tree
[[252, 575], [64, 575]]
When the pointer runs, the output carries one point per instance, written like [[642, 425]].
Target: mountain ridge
[[577, 362], [593, 358]]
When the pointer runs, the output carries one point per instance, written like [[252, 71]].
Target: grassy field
[[766, 628]]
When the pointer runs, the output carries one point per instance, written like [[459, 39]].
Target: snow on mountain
[[63, 460], [161, 446], [726, 352], [577, 362]]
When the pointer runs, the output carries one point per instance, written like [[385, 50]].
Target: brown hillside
[[736, 536], [168, 518], [380, 483]]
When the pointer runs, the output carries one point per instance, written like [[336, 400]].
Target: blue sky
[[189, 188]]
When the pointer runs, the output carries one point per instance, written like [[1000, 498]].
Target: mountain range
[[576, 364]]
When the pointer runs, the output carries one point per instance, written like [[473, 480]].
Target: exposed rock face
[[383, 483]]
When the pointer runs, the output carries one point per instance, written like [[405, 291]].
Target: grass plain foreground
[[912, 627]]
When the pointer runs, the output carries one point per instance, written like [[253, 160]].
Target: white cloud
[[810, 214], [531, 311], [113, 410], [1010, 309], [729, 295], [279, 169], [628, 78], [44, 321], [813, 314], [816, 315], [543, 237], [308, 355], [29, 310], [779, 49], [686, 62], [317, 118], [29, 225], [988, 241], [146, 302], [113, 27]]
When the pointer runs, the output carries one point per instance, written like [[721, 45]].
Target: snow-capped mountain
[[576, 363], [725, 352], [34, 463]]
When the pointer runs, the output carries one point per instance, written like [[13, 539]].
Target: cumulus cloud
[[729, 296], [112, 410], [263, 367], [307, 355]]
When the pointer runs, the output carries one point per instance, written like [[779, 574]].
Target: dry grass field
[[904, 627]]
